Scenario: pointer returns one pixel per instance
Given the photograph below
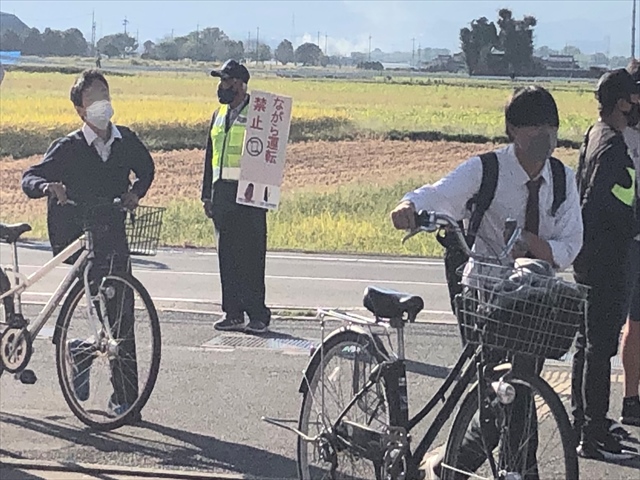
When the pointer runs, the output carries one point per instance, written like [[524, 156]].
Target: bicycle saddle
[[390, 304], [11, 233]]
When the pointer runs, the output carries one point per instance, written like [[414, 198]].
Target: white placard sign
[[265, 145]]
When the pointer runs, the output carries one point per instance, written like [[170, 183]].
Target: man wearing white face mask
[[92, 166], [523, 182]]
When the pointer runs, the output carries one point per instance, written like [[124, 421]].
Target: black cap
[[232, 69], [615, 85]]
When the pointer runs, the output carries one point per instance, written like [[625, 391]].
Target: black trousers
[[112, 256], [521, 422], [596, 343], [241, 234]]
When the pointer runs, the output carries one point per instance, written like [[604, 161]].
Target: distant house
[[8, 21], [446, 63], [560, 62]]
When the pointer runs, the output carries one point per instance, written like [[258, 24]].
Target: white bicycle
[[107, 334]]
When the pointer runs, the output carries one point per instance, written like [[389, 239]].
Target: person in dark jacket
[[92, 166], [241, 231], [606, 178]]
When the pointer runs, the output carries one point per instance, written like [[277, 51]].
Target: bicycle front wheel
[[108, 362], [349, 358], [530, 438]]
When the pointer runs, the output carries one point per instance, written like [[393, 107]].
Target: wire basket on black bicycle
[[521, 308]]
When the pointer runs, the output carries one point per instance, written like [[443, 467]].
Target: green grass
[[353, 219]]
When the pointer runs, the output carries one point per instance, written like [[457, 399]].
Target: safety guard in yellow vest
[[227, 145]]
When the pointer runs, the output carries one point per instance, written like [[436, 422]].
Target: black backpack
[[454, 256]]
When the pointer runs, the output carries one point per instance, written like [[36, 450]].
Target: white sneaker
[[430, 461]]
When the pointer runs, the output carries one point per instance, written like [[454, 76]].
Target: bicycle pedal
[[28, 377]]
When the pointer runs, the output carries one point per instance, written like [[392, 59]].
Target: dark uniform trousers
[[241, 234]]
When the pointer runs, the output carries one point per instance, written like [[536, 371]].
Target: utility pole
[[125, 23], [419, 54], [293, 29], [257, 45], [369, 47], [318, 40], [93, 32], [249, 44], [413, 52], [172, 34], [325, 44], [633, 31]]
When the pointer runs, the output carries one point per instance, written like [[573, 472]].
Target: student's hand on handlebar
[[404, 216], [130, 200], [56, 190]]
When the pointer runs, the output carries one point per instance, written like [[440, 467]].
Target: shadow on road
[[17, 474], [177, 449]]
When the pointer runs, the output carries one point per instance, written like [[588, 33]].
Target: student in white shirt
[[532, 121]]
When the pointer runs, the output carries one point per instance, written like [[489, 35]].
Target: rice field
[[172, 110]]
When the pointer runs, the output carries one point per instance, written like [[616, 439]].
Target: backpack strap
[[559, 184], [481, 201]]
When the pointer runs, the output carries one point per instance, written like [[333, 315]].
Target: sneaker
[[430, 464], [256, 326], [607, 447], [230, 324], [631, 411], [617, 430], [116, 410], [82, 355]]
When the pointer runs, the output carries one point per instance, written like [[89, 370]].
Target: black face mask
[[226, 95], [633, 115]]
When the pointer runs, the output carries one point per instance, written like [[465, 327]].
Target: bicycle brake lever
[[418, 230]]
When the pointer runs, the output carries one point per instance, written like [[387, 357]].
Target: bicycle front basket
[[521, 311], [143, 227]]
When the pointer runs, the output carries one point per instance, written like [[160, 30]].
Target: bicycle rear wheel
[[530, 438], [107, 369], [349, 358]]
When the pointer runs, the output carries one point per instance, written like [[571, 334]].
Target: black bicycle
[[510, 425]]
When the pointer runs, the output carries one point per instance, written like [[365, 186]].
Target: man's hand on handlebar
[[130, 200], [56, 190], [404, 216]]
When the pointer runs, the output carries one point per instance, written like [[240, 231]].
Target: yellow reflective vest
[[227, 145]]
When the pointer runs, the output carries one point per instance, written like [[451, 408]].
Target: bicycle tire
[[73, 298], [332, 344], [7, 305], [469, 407]]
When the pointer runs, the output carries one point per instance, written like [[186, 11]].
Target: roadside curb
[[135, 472]]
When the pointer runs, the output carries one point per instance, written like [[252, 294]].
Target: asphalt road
[[189, 279]]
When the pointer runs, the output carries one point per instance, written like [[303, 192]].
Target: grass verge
[[349, 219]]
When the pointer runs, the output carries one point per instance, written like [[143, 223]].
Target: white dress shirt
[[103, 148], [450, 195]]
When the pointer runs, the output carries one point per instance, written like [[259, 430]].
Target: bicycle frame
[[469, 365], [23, 283]]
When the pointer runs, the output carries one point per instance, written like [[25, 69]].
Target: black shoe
[[617, 430], [605, 447], [230, 324], [631, 411], [256, 326]]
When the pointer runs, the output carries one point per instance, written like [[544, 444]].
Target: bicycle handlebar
[[429, 221]]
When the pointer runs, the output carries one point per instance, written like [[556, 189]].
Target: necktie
[[532, 215]]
